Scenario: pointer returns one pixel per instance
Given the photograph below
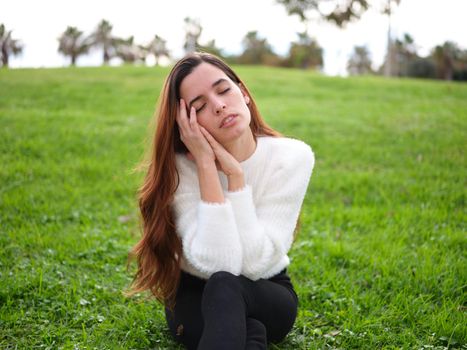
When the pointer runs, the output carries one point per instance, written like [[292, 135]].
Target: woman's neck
[[243, 147]]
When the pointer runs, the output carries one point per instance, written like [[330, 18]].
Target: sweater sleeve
[[266, 229], [208, 231]]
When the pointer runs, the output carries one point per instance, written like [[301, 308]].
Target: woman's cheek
[[200, 120], [203, 123]]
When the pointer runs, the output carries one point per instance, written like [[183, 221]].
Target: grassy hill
[[380, 261]]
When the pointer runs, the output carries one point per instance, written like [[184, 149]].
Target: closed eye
[[200, 108], [220, 93]]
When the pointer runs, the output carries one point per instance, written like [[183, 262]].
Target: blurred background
[[419, 38]]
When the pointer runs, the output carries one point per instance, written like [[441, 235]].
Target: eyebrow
[[217, 82]]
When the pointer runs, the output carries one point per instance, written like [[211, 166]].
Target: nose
[[219, 107]]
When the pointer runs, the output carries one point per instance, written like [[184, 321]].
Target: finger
[[181, 109], [183, 121], [218, 165], [193, 119], [218, 149], [181, 115], [206, 135], [209, 137]]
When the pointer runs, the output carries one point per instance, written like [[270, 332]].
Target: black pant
[[232, 312]]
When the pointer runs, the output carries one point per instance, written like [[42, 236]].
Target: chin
[[235, 134]]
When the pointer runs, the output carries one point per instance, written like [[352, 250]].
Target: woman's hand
[[191, 135], [226, 162]]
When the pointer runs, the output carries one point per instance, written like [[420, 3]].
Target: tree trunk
[[448, 68], [106, 57], [4, 57], [387, 67]]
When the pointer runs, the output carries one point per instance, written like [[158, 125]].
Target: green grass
[[380, 261]]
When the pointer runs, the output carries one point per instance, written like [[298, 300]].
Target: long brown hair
[[159, 251]]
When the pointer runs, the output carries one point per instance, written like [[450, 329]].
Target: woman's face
[[221, 106]]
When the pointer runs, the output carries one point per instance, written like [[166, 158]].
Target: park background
[[379, 261]]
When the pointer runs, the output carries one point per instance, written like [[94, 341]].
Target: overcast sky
[[38, 24]]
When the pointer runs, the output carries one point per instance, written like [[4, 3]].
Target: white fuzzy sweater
[[252, 231]]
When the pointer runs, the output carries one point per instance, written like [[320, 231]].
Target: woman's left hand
[[227, 163]]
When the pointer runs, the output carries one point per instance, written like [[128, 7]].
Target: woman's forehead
[[203, 76]]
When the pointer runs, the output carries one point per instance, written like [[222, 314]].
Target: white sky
[[38, 24]]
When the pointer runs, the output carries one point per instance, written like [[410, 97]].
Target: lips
[[228, 119]]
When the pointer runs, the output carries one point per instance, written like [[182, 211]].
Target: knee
[[223, 277], [222, 282]]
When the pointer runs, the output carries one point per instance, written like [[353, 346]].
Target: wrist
[[205, 163], [236, 182], [235, 172]]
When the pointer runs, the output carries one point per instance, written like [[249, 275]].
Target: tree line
[[445, 61]]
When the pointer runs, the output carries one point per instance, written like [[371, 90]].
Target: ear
[[245, 94]]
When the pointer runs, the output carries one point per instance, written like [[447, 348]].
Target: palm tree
[[360, 62], [404, 52], [257, 50], [342, 11], [128, 51], [102, 37], [211, 48], [143, 52], [305, 53], [158, 48], [445, 55], [8, 45], [388, 10], [193, 31], [72, 43]]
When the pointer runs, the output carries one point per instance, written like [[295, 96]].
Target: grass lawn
[[380, 261]]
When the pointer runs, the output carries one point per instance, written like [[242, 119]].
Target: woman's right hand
[[192, 137]]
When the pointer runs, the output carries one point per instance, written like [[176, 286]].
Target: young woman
[[219, 205]]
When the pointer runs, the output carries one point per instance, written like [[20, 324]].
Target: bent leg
[[274, 305], [232, 312], [224, 313]]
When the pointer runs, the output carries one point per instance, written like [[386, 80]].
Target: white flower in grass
[[84, 302]]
